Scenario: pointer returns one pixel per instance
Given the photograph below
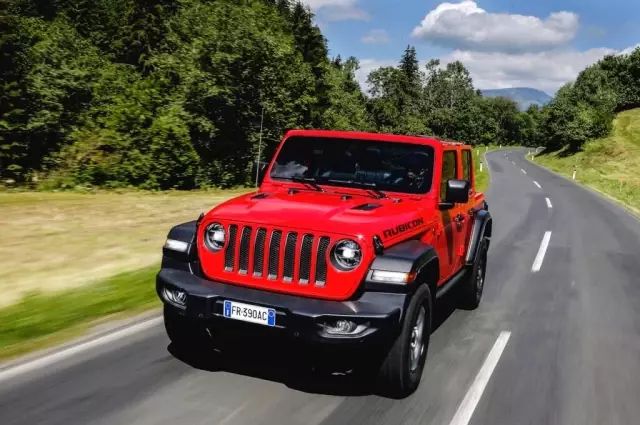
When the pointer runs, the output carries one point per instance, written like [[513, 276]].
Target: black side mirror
[[258, 171], [457, 193]]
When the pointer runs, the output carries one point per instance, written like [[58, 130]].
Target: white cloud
[[375, 37], [465, 26], [338, 10], [546, 71]]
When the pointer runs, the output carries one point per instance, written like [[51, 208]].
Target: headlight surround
[[215, 236], [346, 255]]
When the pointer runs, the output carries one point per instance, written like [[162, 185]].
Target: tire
[[184, 333], [473, 287], [401, 370]]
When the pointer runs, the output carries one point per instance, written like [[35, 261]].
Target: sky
[[540, 44]]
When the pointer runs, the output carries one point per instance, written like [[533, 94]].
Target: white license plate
[[249, 313]]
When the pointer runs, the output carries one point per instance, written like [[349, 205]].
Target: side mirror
[[457, 193], [258, 171]]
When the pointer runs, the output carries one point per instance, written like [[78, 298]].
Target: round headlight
[[347, 254], [215, 236]]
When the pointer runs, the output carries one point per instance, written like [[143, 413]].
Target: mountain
[[524, 96]]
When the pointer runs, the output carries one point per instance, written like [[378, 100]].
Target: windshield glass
[[391, 166]]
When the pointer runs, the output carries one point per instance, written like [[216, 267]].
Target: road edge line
[[474, 393], [49, 359]]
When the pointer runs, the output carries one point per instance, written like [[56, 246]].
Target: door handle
[[458, 218]]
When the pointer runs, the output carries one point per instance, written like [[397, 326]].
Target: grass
[[56, 241], [41, 320], [610, 165], [482, 177]]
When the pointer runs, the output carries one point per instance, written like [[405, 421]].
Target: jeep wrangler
[[349, 242]]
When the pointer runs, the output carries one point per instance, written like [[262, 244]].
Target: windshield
[[391, 166]]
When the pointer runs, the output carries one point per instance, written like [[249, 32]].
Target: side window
[[449, 171], [466, 165]]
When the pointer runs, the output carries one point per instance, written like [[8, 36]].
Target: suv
[[348, 243]]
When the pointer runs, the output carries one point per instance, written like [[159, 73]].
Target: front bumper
[[297, 317]]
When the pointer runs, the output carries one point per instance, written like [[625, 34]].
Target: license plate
[[249, 313]]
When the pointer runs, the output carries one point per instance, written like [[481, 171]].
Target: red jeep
[[348, 243]]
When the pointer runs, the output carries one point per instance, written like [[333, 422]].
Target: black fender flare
[[184, 232], [482, 228], [412, 256]]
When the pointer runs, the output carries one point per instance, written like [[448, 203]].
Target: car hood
[[354, 215]]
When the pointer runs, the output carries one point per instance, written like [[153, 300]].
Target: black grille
[[260, 245], [305, 258], [244, 250], [258, 253], [290, 256], [274, 254], [321, 261], [230, 253]]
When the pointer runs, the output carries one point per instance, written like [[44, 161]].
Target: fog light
[[176, 297], [344, 327]]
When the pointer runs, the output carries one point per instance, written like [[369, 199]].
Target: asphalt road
[[573, 355]]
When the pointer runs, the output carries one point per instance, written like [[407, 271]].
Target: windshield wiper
[[309, 180], [369, 186]]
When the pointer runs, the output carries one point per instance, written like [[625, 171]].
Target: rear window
[[391, 166]]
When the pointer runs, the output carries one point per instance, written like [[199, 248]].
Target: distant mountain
[[524, 96]]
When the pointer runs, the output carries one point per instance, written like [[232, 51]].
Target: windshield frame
[[363, 143]]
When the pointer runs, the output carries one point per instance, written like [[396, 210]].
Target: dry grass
[[56, 241]]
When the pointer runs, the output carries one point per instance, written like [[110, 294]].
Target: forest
[[162, 94]]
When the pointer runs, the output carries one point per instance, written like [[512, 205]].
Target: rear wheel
[[401, 369], [471, 292]]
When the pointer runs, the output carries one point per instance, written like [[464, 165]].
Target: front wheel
[[401, 369], [471, 292]]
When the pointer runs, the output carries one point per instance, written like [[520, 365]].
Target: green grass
[[482, 177], [610, 165], [41, 320]]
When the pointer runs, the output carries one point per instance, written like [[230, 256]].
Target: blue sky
[[541, 44]]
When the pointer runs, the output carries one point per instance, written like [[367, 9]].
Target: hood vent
[[260, 196], [367, 207]]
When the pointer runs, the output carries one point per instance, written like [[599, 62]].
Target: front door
[[447, 233]]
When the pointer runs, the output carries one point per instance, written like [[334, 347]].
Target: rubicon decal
[[403, 227]]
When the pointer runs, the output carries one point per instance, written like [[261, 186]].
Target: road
[[572, 357]]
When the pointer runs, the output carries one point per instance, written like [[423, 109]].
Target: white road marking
[[537, 263], [471, 399], [71, 351], [513, 162], [537, 184], [523, 171], [549, 203]]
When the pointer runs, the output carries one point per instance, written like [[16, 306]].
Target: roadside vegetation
[[57, 241], [592, 123], [40, 320], [610, 164], [158, 94]]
